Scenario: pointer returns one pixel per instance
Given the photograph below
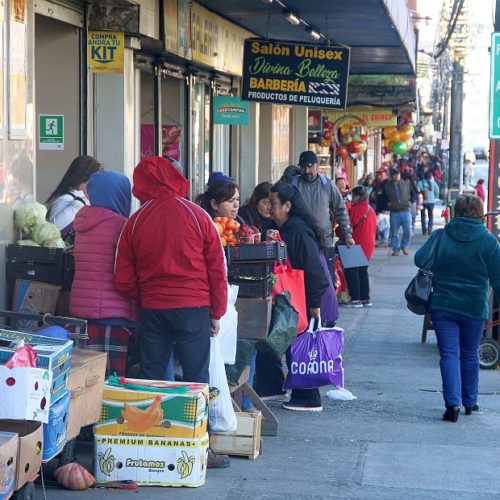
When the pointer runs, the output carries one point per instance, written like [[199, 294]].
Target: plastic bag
[[221, 416], [315, 358], [341, 395], [383, 222], [229, 327], [24, 356], [283, 328]]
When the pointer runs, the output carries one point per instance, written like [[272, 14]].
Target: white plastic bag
[[221, 416], [341, 395], [383, 221], [228, 327]]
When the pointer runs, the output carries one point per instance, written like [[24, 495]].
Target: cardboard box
[[33, 297], [29, 454], [184, 410], [95, 363], [254, 317], [151, 461], [244, 441], [76, 390], [8, 459], [25, 393], [55, 431], [52, 354]]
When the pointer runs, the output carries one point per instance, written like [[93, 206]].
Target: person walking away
[[479, 189], [306, 251], [112, 318], [399, 197], [465, 263], [468, 171], [378, 202], [430, 192], [324, 200], [170, 260], [255, 212], [70, 195], [364, 226]]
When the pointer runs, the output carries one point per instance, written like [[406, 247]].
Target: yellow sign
[[105, 51], [373, 117]]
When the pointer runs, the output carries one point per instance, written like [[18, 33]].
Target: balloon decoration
[[399, 141], [349, 133]]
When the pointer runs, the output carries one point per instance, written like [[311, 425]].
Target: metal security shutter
[[68, 11]]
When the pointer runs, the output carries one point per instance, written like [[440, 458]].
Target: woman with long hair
[[255, 212], [306, 251], [430, 192], [465, 263], [70, 194]]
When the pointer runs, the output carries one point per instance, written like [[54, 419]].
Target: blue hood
[[465, 230], [110, 190]]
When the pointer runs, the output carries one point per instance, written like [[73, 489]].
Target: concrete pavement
[[390, 443]]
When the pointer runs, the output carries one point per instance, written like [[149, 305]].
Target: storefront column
[[114, 122], [265, 150], [249, 151], [298, 134]]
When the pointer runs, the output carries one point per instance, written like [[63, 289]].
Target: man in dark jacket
[[399, 197]]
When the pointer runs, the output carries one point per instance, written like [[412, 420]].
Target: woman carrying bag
[[466, 262], [305, 250]]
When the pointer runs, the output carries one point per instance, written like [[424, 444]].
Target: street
[[390, 443]]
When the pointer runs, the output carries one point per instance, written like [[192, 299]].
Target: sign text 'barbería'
[[293, 73]]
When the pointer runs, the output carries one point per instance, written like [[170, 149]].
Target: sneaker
[[405, 251], [302, 406], [395, 254], [367, 303], [353, 303], [216, 461]]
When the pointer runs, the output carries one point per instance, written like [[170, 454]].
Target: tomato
[[219, 228], [227, 233], [223, 221]]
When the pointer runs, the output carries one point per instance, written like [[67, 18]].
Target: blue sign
[[230, 110]]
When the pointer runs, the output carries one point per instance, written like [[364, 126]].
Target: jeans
[[246, 402], [189, 328], [399, 219], [458, 340], [358, 282], [429, 207]]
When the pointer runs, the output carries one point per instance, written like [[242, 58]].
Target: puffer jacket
[[93, 294]]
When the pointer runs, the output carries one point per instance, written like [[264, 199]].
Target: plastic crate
[[253, 288], [34, 255], [270, 251], [249, 270]]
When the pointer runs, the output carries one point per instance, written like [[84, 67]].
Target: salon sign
[[295, 73]]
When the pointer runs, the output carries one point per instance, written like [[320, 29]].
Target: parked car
[[480, 152]]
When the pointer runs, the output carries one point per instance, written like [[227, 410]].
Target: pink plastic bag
[[24, 356]]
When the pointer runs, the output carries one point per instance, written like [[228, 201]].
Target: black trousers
[[358, 282], [269, 378], [189, 328]]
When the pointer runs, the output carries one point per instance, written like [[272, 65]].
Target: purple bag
[[316, 359]]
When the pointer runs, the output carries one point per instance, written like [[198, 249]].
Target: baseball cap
[[218, 177], [395, 171], [307, 158]]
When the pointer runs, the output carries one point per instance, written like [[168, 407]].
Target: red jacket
[[365, 232], [169, 254], [93, 293]]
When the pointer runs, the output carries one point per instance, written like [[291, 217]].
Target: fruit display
[[227, 228], [249, 234], [399, 141]]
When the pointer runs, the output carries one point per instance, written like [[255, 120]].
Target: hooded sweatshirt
[[467, 260], [169, 254], [97, 228]]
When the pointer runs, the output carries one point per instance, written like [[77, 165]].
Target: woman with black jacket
[[305, 248]]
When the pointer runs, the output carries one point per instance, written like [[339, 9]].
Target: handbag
[[291, 280], [316, 358], [418, 292]]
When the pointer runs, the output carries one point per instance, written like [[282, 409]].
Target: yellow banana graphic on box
[[185, 465], [106, 462], [142, 420]]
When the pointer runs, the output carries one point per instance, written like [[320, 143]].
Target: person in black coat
[[305, 248]]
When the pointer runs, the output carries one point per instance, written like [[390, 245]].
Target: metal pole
[[456, 167]]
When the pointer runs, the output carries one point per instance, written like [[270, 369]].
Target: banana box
[[151, 461], [179, 411]]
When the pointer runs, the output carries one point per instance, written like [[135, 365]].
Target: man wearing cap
[[379, 203], [399, 196], [324, 200]]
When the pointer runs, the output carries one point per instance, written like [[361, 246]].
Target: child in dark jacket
[[364, 225]]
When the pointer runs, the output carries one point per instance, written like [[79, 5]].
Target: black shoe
[[470, 409], [298, 405], [451, 413]]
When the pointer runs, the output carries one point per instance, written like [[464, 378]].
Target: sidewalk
[[390, 443]]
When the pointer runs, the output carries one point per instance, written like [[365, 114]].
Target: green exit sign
[[495, 87]]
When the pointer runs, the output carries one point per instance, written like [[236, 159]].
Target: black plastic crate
[[249, 271], [68, 271], [254, 288], [268, 251], [34, 255]]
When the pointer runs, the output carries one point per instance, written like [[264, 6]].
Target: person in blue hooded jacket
[[465, 263]]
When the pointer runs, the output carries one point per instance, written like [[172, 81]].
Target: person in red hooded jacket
[[170, 260]]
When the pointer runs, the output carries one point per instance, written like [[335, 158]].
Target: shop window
[[281, 141]]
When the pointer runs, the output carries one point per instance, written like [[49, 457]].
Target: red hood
[[155, 177]]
